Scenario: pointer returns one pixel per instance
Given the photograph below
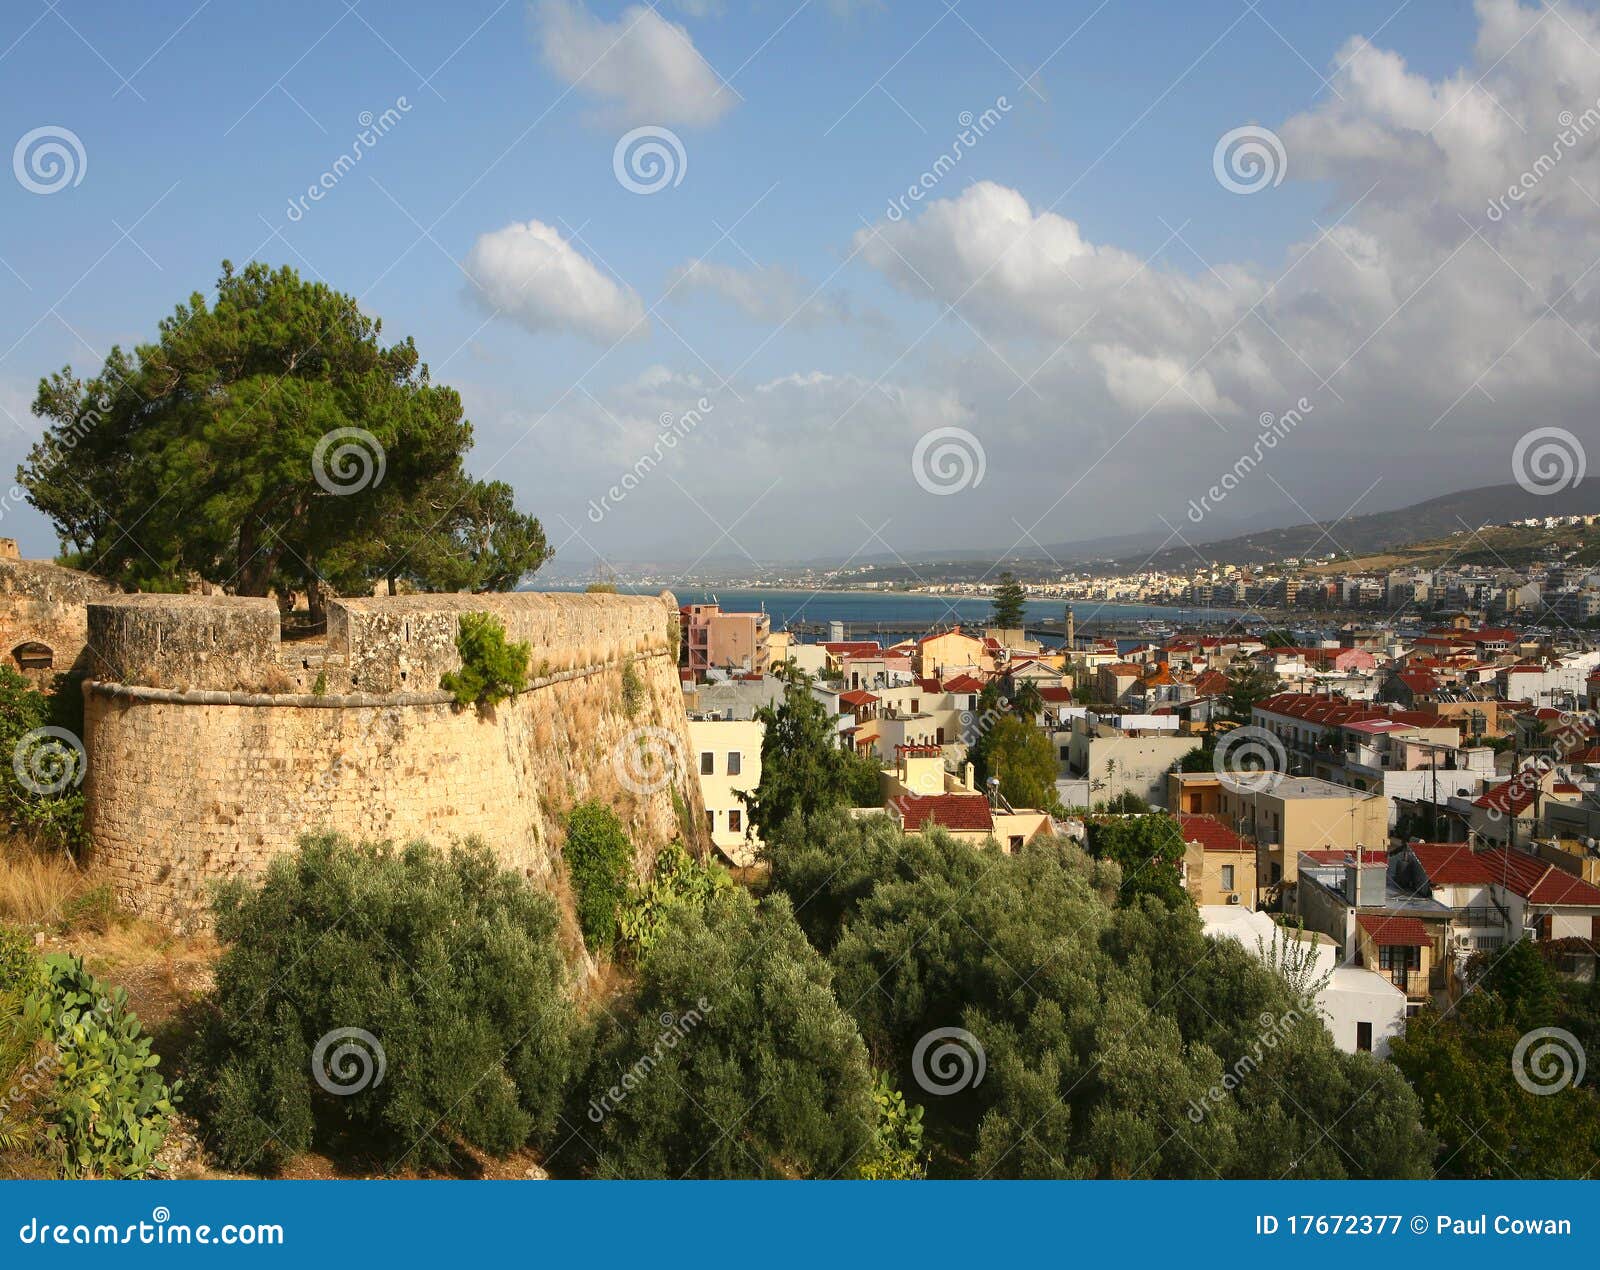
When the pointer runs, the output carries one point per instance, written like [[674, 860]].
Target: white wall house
[[1362, 1010]]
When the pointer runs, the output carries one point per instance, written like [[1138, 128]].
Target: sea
[[902, 614]]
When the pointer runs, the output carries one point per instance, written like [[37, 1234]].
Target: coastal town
[[847, 592]]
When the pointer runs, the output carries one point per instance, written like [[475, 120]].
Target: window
[[735, 761], [708, 763], [33, 656], [1227, 877], [916, 705], [1364, 1037], [1064, 753], [1015, 842], [711, 821], [735, 823]]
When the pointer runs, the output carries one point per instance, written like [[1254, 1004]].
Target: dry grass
[[36, 886]]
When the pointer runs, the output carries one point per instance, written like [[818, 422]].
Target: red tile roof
[[1538, 882], [1392, 931], [856, 698], [1514, 795], [1450, 863], [966, 812], [963, 683], [1368, 856], [1210, 833], [1056, 696], [854, 647]]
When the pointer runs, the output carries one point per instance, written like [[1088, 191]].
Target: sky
[[766, 280]]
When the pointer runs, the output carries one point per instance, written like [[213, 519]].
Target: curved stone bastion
[[214, 743]]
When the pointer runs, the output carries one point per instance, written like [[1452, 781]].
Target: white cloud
[[772, 294], [532, 275], [645, 68]]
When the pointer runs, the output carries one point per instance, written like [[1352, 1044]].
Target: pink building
[[726, 641]]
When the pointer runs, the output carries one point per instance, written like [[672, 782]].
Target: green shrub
[[49, 808], [678, 879], [731, 1058], [18, 965], [896, 1151], [427, 989], [599, 860], [632, 690], [105, 1110], [491, 669]]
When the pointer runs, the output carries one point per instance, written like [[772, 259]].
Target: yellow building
[[1290, 814], [727, 757], [919, 794], [1219, 867]]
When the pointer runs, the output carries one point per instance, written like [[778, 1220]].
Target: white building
[[1362, 1010]]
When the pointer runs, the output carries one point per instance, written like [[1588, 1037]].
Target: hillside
[[1422, 526]]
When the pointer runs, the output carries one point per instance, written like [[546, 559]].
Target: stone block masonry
[[213, 745]]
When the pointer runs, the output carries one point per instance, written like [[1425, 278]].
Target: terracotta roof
[[1368, 856], [963, 683], [1450, 863], [967, 812], [856, 698], [854, 647], [1210, 833], [1392, 931], [1514, 795], [1538, 882], [1056, 696]]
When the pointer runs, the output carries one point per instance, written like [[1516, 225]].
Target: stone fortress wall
[[44, 615], [213, 743]]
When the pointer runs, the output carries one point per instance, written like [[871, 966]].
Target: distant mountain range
[[1380, 531], [1358, 536]]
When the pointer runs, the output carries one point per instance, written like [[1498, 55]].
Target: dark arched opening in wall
[[33, 655]]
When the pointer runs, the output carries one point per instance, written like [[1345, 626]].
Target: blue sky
[[800, 122]]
